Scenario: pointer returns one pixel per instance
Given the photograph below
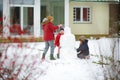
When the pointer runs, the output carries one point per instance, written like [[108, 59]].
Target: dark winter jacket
[[48, 30], [83, 48]]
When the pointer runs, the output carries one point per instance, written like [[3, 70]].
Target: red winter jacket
[[0, 19], [57, 40], [48, 30]]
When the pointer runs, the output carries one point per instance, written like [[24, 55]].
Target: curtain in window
[[84, 14]]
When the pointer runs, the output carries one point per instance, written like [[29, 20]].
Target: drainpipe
[[66, 13], [6, 18], [37, 18]]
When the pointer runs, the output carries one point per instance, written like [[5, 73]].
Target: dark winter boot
[[43, 56], [51, 57], [58, 56]]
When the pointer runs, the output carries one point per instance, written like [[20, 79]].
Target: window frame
[[21, 2], [81, 15], [21, 18]]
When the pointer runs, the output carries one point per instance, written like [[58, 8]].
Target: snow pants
[[81, 55]]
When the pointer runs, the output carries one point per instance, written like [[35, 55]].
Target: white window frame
[[81, 15], [21, 18]]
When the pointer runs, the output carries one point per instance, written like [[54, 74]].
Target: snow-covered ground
[[68, 67]]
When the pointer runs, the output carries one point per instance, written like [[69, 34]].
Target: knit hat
[[82, 38], [45, 19], [50, 17], [61, 28]]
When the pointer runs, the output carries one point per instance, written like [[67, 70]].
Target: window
[[54, 8], [22, 17], [82, 15]]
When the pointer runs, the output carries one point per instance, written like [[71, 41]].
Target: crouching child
[[83, 49]]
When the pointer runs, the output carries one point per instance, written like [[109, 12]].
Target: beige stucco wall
[[100, 19]]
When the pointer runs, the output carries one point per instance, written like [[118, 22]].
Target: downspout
[[6, 18], [66, 20], [37, 18]]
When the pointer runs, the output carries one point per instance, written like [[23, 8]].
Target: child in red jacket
[[57, 41]]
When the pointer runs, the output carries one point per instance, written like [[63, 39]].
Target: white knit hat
[[45, 19]]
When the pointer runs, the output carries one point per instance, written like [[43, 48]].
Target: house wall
[[100, 19]]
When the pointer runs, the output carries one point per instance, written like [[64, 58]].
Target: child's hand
[[75, 48], [60, 25]]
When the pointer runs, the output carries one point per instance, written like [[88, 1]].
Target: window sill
[[77, 22]]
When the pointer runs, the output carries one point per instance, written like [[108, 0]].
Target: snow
[[68, 67]]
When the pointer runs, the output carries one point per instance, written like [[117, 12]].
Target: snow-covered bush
[[110, 57], [18, 63]]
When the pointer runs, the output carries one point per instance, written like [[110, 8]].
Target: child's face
[[81, 41], [62, 32]]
